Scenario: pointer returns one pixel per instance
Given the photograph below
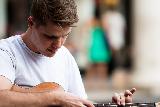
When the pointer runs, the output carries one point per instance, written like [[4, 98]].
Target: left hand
[[121, 98]]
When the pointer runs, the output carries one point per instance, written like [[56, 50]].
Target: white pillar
[[146, 46], [2, 17]]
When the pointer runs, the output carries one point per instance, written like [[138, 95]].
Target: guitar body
[[46, 86]]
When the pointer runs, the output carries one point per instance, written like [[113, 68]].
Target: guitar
[[48, 86]]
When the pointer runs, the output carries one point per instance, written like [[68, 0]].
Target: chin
[[49, 54]]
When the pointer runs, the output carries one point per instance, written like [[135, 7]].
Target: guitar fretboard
[[126, 105]]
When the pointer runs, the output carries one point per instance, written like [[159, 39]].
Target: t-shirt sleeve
[[7, 65]]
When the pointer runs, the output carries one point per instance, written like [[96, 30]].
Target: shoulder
[[63, 48], [64, 51], [7, 45], [7, 50], [8, 42]]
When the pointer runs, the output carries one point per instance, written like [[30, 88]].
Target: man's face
[[49, 38]]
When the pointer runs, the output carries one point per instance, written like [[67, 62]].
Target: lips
[[50, 50]]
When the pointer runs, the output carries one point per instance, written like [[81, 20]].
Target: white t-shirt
[[24, 67]]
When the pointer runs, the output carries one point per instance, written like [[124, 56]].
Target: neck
[[26, 37]]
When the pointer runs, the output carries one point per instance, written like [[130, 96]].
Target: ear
[[30, 21]]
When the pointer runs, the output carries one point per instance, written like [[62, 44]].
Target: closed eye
[[54, 37], [51, 37]]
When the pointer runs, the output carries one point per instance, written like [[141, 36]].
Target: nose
[[58, 42]]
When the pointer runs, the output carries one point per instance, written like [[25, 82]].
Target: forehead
[[54, 29]]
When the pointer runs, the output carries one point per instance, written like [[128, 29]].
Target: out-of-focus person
[[98, 51], [114, 25]]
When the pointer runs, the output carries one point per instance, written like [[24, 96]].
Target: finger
[[129, 92], [128, 95], [116, 98], [82, 105], [122, 99], [87, 103], [133, 90]]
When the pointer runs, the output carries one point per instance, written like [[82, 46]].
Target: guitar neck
[[129, 105], [126, 105]]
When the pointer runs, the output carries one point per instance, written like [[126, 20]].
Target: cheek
[[41, 42], [37, 41], [44, 44]]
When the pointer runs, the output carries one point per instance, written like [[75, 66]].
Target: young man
[[38, 56]]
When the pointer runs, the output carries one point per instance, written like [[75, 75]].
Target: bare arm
[[40, 99], [17, 99], [11, 99], [44, 99]]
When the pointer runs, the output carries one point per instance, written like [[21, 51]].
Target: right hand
[[123, 98], [66, 99]]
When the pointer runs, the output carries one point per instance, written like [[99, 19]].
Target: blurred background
[[116, 44]]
